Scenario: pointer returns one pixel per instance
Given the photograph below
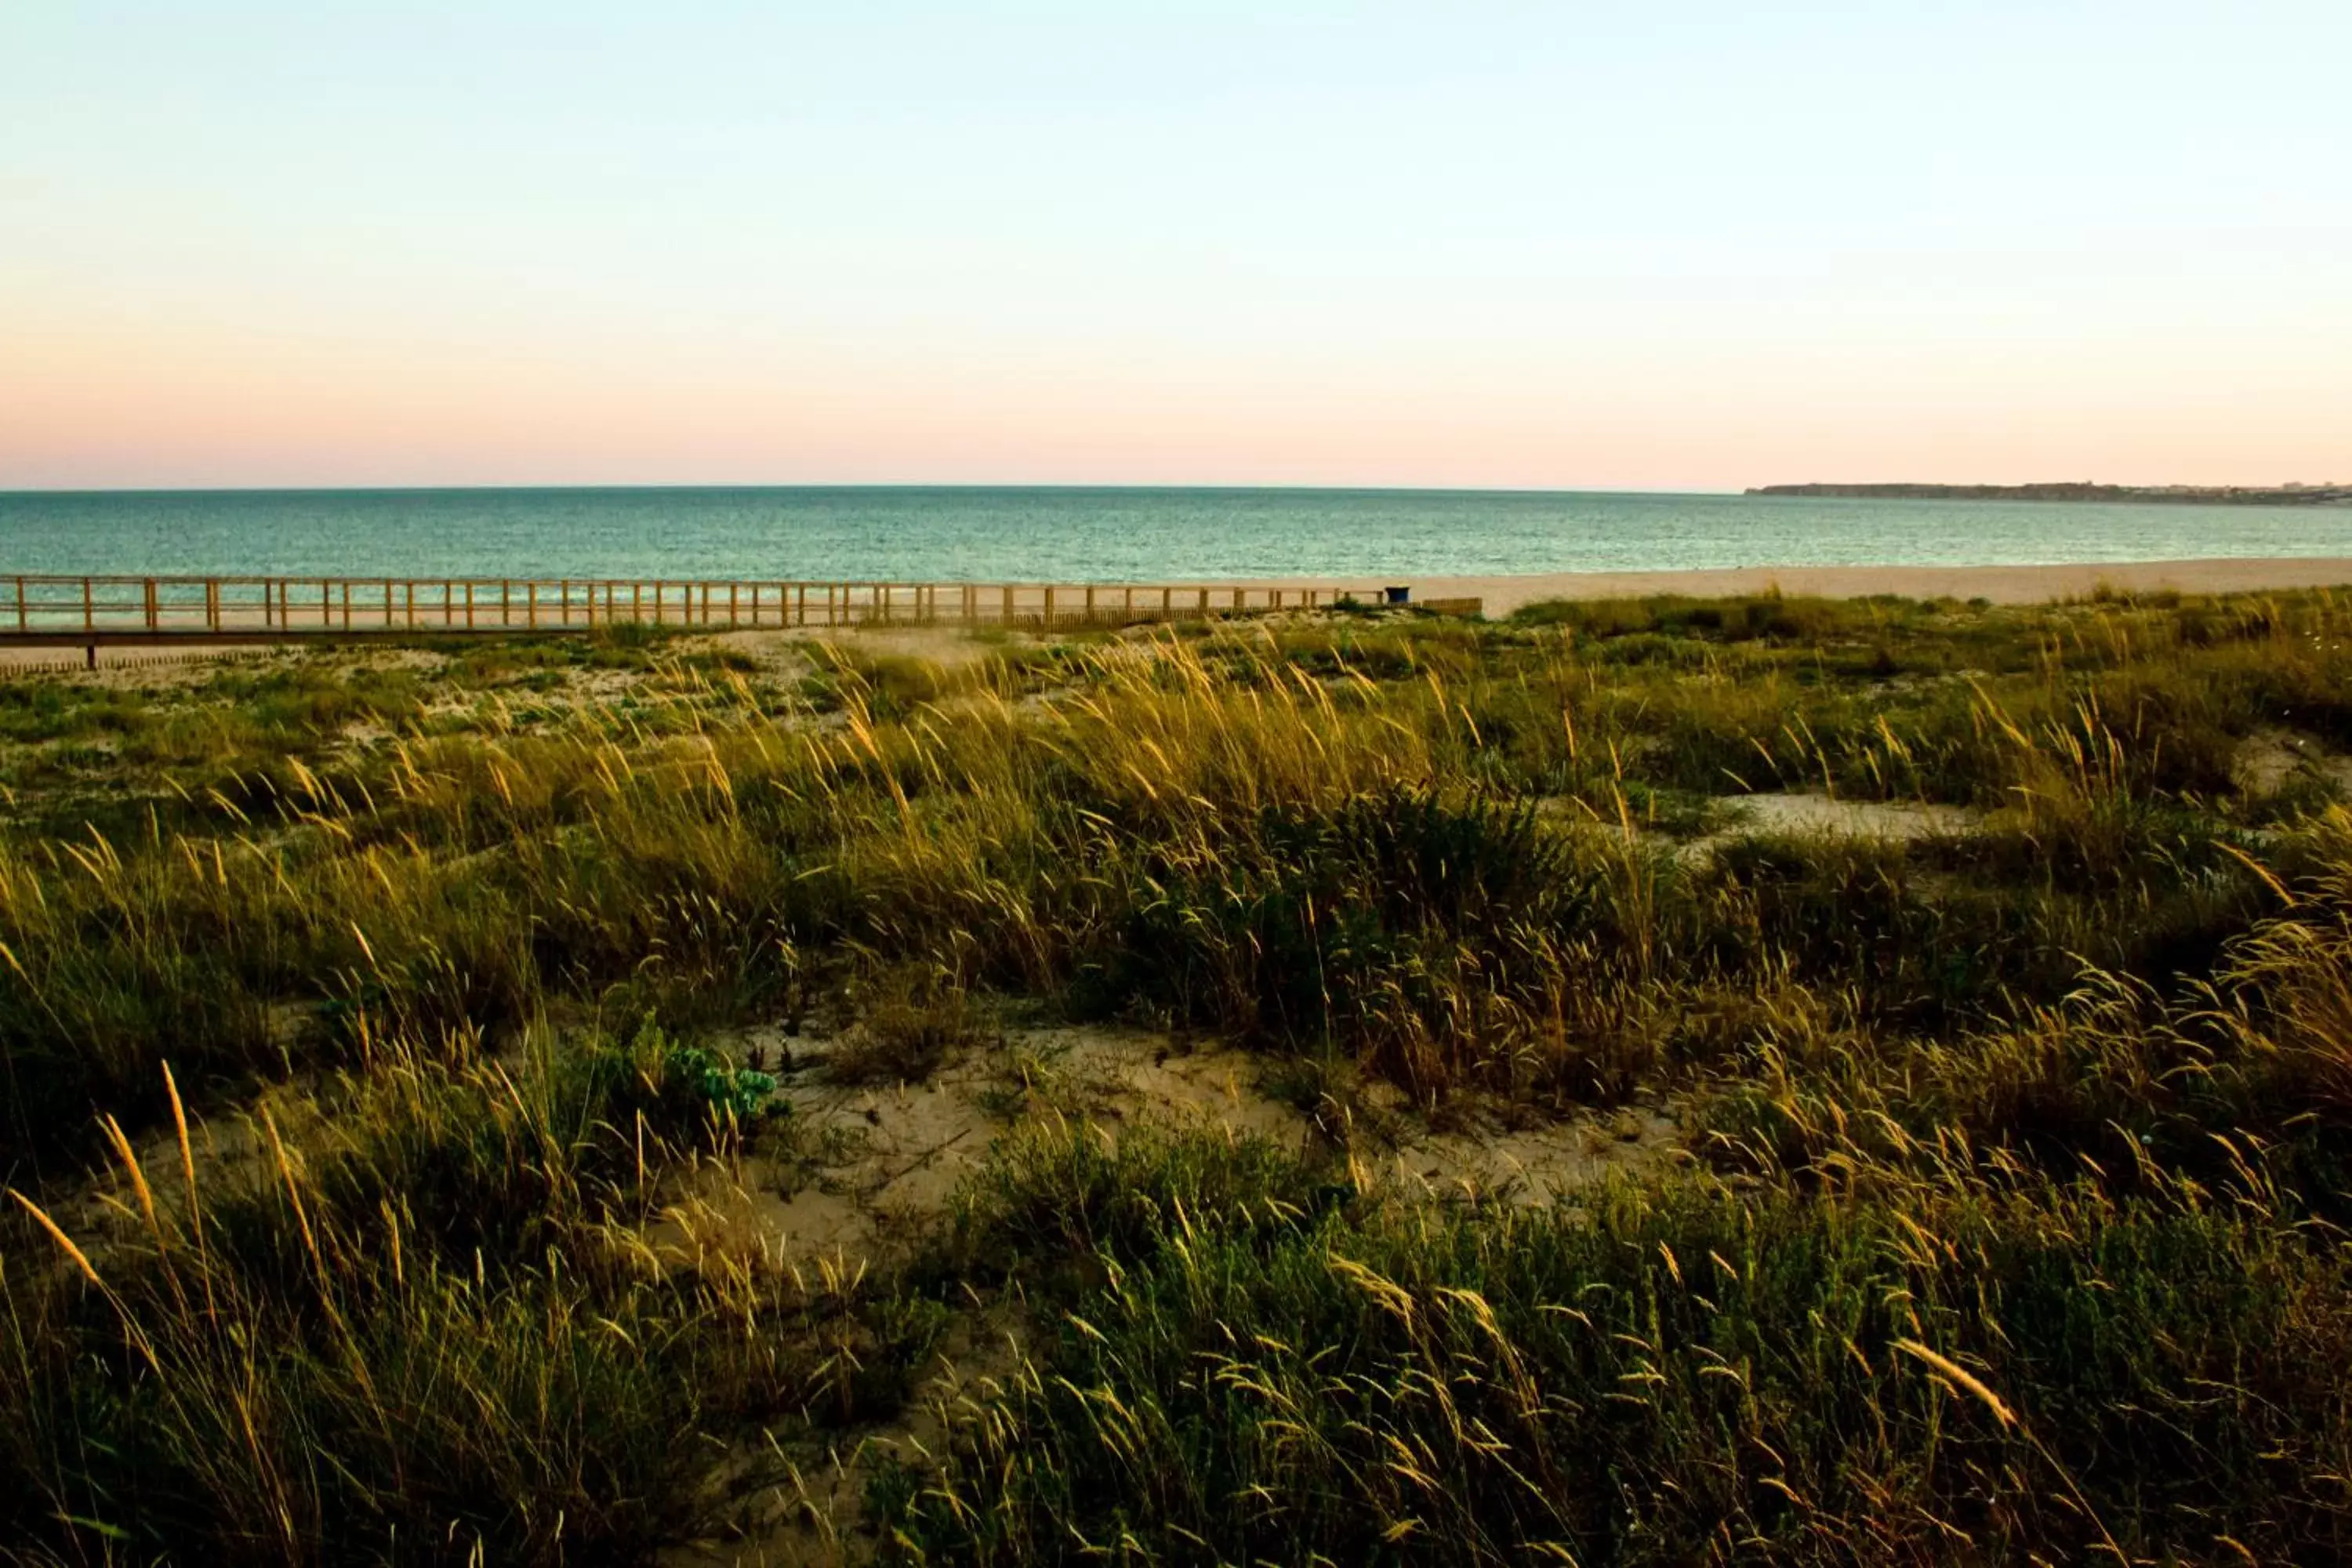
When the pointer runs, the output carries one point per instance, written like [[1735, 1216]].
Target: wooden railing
[[49, 609]]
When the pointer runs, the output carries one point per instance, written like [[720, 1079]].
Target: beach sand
[[2002, 584]]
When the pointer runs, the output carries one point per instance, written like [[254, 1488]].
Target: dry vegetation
[[604, 1099]]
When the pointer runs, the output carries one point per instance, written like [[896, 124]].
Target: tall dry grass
[[422, 1323], [1249, 833], [2025, 1143]]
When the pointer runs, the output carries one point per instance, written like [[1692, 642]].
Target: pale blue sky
[[1691, 247]]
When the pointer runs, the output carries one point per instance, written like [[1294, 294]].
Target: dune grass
[[1928, 1366], [432, 1331], [2017, 1145]]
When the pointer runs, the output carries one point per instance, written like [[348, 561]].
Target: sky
[[1571, 246]]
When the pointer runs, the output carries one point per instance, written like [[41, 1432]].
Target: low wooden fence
[[71, 611]]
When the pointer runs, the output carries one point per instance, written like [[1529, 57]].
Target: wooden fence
[[72, 611]]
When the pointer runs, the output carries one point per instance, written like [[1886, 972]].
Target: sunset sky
[[1693, 246]]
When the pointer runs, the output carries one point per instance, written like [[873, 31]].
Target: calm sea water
[[1072, 534]]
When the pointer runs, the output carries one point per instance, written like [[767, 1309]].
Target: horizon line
[[850, 485], [1136, 486]]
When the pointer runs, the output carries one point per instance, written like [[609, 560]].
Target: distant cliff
[[2198, 495]]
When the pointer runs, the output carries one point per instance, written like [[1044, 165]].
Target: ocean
[[1138, 535]]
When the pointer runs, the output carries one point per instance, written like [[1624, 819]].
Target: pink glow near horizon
[[226, 417]]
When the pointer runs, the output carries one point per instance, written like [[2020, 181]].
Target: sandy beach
[[2002, 584]]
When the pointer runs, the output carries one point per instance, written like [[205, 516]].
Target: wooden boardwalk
[[93, 612]]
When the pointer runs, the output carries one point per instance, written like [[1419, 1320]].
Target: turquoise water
[[1072, 534]]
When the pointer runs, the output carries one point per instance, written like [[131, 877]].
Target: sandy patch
[[861, 1167], [1535, 1165], [2270, 759], [1798, 812], [1801, 814], [1121, 1078]]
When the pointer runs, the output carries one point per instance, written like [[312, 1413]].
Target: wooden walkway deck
[[93, 612]]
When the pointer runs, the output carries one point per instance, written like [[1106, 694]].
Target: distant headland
[[2329, 494]]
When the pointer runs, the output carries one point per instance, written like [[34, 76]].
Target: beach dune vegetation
[[369, 1024]]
